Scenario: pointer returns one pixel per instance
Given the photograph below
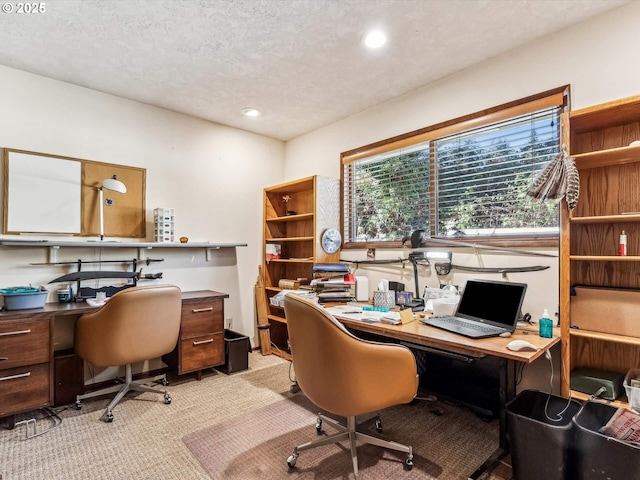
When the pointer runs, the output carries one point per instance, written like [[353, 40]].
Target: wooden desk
[[27, 354], [416, 335]]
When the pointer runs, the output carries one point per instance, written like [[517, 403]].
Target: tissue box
[[384, 298]]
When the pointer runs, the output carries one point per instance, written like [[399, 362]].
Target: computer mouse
[[518, 345]]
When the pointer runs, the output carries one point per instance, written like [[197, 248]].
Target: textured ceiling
[[299, 61]]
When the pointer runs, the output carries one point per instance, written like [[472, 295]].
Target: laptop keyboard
[[458, 322]]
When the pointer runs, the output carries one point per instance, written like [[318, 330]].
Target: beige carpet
[[144, 442], [255, 446]]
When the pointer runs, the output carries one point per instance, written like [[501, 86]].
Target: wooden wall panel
[[126, 217]]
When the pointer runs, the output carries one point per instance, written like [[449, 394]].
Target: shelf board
[[112, 244], [291, 218], [621, 402], [300, 185], [603, 158], [610, 114], [290, 260], [632, 217], [272, 289], [609, 337], [290, 239], [277, 318], [605, 258]]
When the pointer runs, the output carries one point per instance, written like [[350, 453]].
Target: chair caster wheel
[[408, 464], [167, 399], [107, 417], [379, 426], [291, 461], [78, 406], [164, 382], [318, 425]]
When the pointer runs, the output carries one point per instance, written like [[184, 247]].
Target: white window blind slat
[[477, 186]]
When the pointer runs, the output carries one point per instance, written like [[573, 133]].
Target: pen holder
[[384, 299]]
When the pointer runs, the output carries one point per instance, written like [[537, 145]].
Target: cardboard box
[[606, 310]]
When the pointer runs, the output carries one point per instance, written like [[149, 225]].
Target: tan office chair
[[346, 376], [136, 324]]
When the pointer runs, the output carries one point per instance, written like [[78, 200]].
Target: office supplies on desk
[[486, 309]]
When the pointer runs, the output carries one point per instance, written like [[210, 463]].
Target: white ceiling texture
[[301, 62]]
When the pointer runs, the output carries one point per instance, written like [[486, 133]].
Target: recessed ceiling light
[[251, 112], [375, 39]]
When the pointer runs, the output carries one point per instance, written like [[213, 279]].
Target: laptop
[[487, 308]]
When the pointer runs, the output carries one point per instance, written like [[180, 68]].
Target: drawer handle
[[11, 377], [202, 341], [3, 358], [17, 332], [200, 310]]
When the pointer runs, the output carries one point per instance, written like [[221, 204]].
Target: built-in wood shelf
[[621, 402], [290, 260], [631, 217], [290, 239], [605, 258], [609, 337], [291, 218], [604, 158]]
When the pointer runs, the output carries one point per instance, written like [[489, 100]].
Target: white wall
[[214, 175], [597, 58], [211, 174]]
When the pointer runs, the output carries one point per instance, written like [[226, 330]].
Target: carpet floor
[[255, 446], [235, 418]]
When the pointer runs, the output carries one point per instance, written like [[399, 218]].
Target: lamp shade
[[114, 184]]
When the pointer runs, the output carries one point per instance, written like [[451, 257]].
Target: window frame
[[555, 97]]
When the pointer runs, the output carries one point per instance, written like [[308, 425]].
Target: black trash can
[[541, 436], [236, 352], [601, 457]]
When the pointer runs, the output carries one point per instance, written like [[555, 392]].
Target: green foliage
[[481, 187]]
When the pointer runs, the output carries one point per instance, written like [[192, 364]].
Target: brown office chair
[[136, 324], [346, 376]]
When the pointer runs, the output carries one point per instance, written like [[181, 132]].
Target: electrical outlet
[[229, 323]]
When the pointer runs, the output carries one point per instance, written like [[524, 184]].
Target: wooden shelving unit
[[599, 140], [296, 225]]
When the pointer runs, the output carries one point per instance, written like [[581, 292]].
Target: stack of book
[[332, 282]]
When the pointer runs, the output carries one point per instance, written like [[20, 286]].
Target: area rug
[[449, 443]]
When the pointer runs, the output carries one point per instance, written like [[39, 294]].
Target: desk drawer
[[24, 388], [23, 342], [201, 352], [201, 318]]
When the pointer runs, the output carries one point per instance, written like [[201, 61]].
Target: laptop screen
[[492, 302]]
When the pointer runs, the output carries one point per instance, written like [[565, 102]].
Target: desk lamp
[[114, 185]]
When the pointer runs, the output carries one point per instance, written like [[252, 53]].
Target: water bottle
[[546, 325]]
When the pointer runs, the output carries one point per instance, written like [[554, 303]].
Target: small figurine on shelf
[[286, 199]]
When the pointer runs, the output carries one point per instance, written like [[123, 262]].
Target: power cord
[[558, 415], [294, 388]]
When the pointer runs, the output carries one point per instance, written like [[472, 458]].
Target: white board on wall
[[43, 194]]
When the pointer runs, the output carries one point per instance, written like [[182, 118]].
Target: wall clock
[[331, 240]]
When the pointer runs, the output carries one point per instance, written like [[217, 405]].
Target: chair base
[[349, 432], [122, 389]]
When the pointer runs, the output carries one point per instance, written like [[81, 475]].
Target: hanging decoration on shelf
[[560, 178]]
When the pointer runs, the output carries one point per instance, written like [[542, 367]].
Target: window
[[465, 179]]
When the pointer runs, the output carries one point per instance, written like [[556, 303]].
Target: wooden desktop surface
[[421, 334], [79, 308]]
